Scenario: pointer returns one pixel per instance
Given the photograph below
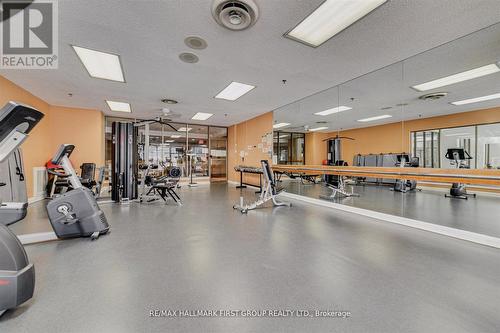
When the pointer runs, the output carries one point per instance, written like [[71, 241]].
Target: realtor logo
[[29, 34]]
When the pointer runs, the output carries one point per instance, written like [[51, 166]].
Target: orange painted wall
[[38, 142], [84, 128], [394, 137], [242, 135], [315, 147]]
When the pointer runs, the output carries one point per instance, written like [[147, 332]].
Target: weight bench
[[269, 192]]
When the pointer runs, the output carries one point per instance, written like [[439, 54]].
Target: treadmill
[[17, 275]]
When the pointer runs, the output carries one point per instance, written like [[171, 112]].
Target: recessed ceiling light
[[280, 125], [175, 136], [202, 116], [119, 106], [459, 77], [477, 99], [234, 91], [190, 58], [100, 65], [318, 129], [330, 18], [195, 42], [169, 101], [184, 129], [375, 118], [333, 110]]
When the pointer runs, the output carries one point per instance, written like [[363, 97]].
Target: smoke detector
[[235, 15], [433, 96]]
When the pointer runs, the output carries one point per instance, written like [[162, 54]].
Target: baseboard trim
[[37, 237], [435, 228]]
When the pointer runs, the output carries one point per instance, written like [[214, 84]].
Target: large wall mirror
[[412, 114]]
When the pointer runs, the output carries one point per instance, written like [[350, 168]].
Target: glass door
[[198, 151], [218, 153]]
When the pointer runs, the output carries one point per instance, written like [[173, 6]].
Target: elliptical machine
[[458, 156], [75, 213], [17, 275]]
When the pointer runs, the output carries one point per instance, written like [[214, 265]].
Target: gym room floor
[[428, 205], [390, 277]]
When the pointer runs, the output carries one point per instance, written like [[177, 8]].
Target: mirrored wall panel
[[418, 139]]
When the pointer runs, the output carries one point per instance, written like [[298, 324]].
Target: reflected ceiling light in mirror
[[280, 125], [318, 129], [184, 129], [169, 141], [175, 136], [333, 110], [384, 116], [234, 91], [459, 77], [477, 99], [330, 18]]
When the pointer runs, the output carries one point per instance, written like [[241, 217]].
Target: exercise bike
[[76, 212], [457, 157], [17, 274]]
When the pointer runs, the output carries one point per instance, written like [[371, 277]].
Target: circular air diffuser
[[235, 15], [195, 43], [190, 58]]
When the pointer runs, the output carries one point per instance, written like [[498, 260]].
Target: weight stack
[[124, 162]]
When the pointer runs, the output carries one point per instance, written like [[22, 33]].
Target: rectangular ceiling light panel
[[459, 77], [280, 125], [119, 106], [184, 129], [330, 18], [318, 129], [333, 110], [100, 65], [202, 116], [477, 99], [384, 116], [234, 91]]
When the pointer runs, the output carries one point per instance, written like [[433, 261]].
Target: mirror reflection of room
[[425, 131]]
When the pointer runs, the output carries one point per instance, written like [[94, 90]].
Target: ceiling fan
[[165, 118]]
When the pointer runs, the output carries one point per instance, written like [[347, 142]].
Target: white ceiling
[[149, 37], [390, 86]]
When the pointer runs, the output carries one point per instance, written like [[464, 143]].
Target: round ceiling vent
[[190, 58], [169, 101], [235, 15], [196, 43], [433, 96]]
